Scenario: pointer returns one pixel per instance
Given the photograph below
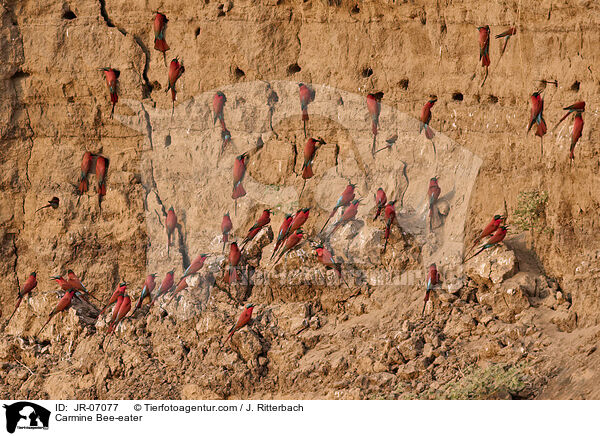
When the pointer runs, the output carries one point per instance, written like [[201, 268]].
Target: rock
[[505, 301], [565, 320], [492, 266], [408, 372]]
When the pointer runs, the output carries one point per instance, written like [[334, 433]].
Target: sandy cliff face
[[362, 341]]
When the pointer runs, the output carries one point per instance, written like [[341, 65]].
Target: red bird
[[76, 284], [242, 321], [426, 119], [101, 166], [348, 215], [160, 26], [119, 292], [263, 220], [283, 233], [433, 193], [577, 129], [171, 225], [27, 287], [63, 304], [292, 241], [176, 69], [506, 35], [433, 278], [218, 103], [123, 310], [310, 149], [374, 107], [575, 107], [390, 218], [381, 201], [489, 229], [326, 258], [484, 49], [86, 165], [149, 286], [226, 226], [165, 287], [195, 266], [235, 255], [239, 172], [307, 95], [537, 116], [111, 80], [299, 219], [180, 287], [343, 201], [493, 241]]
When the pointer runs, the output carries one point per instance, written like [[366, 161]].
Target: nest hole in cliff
[[239, 73], [575, 86], [404, 84], [197, 32], [294, 68], [457, 96], [492, 99], [367, 72], [19, 74], [68, 14], [355, 9]]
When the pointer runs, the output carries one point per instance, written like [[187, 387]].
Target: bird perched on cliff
[[425, 119], [170, 225], [298, 220], [149, 286], [488, 230], [160, 27], [226, 226], [390, 218], [325, 257], [433, 193], [75, 283], [484, 49], [231, 274], [63, 304], [433, 278], [244, 319], [380, 202], [26, 289], [283, 233], [123, 310], [310, 150], [119, 292], [307, 96], [195, 266], [101, 167], [239, 172], [577, 130], [537, 117], [492, 242], [506, 35], [218, 103], [348, 215], [290, 243], [86, 165], [165, 287], [180, 287], [176, 69], [575, 107], [111, 76], [263, 220], [343, 201], [53, 203], [374, 108]]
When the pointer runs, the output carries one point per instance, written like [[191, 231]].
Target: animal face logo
[[26, 415]]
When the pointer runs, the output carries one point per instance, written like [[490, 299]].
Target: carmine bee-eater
[[63, 304], [27, 287], [124, 309], [492, 242], [344, 200], [218, 103], [111, 76], [326, 258], [195, 266], [86, 165], [226, 139], [307, 95], [226, 226], [239, 172], [51, 203], [241, 322], [426, 119], [310, 149], [165, 287], [176, 69], [119, 292], [160, 26], [575, 107], [283, 232], [484, 49], [348, 215], [101, 167], [537, 117], [506, 35], [75, 283], [577, 129], [433, 278], [263, 220], [149, 286], [374, 107], [433, 193], [489, 229], [171, 225], [180, 287], [235, 255], [299, 219], [390, 218], [290, 243], [380, 201]]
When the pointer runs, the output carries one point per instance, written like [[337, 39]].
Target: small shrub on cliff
[[531, 208]]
